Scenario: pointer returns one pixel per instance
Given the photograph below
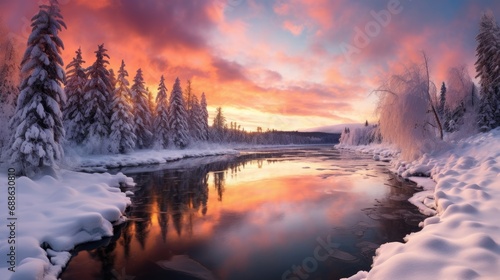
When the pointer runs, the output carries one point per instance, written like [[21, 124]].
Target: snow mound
[[54, 215], [462, 240]]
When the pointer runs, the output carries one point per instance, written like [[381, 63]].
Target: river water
[[301, 213]]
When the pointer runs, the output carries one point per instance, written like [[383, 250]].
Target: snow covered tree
[[204, 117], [407, 118], [442, 100], [142, 115], [35, 146], [151, 107], [218, 126], [178, 118], [74, 112], [9, 91], [188, 93], [98, 98], [161, 135], [458, 94], [196, 119], [122, 138], [488, 71], [112, 78]]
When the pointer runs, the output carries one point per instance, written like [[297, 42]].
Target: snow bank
[[101, 163], [54, 215], [461, 241]]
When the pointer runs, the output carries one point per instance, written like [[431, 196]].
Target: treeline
[[415, 117], [94, 110]]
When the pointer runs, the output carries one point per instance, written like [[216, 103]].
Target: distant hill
[[338, 128]]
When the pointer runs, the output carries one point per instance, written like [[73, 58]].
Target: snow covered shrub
[[361, 135], [407, 118], [461, 103]]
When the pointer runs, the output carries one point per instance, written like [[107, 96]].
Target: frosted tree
[[35, 146], [151, 107], [161, 135], [204, 117], [122, 138], [442, 101], [219, 125], [407, 117], [142, 115], [9, 91], [458, 98], [178, 118], [112, 78], [188, 93], [97, 98], [196, 119], [74, 112], [488, 71]]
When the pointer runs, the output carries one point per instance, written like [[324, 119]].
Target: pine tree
[[37, 123], [442, 100], [97, 98], [196, 119], [178, 122], [219, 125], [122, 138], [204, 117], [488, 70], [151, 107], [188, 92], [161, 136], [112, 78], [142, 115], [9, 91], [74, 112]]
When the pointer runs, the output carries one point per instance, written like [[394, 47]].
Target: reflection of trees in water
[[126, 239], [106, 256], [219, 184], [142, 209]]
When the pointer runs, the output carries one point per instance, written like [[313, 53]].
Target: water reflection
[[264, 214]]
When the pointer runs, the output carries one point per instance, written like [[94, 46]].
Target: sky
[[277, 64]]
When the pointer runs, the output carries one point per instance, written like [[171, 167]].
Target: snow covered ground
[[100, 163], [461, 240], [52, 216]]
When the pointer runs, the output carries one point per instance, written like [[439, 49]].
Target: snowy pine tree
[[442, 101], [151, 105], [196, 127], [488, 70], [97, 98], [122, 138], [204, 117], [178, 123], [188, 93], [161, 135], [219, 126], [37, 123], [112, 78], [74, 112], [142, 115], [9, 91]]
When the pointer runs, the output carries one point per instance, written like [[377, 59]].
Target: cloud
[[293, 28]]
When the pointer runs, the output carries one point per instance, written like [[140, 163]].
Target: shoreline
[[460, 240]]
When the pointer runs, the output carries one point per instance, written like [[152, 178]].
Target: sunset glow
[[275, 64]]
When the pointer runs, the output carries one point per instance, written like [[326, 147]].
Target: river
[[296, 213]]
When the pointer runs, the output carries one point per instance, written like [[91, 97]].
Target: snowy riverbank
[[57, 214], [52, 216], [461, 240], [101, 163]]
